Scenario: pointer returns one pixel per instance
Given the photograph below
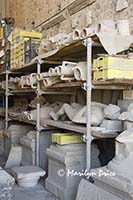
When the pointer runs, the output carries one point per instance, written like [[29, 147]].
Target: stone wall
[[26, 12]]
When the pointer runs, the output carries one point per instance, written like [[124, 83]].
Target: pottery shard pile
[[87, 189], [7, 184]]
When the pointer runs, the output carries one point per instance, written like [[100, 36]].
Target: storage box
[[112, 67], [66, 138]]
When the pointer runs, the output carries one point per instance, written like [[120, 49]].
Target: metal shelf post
[[38, 116], [88, 43], [6, 95]]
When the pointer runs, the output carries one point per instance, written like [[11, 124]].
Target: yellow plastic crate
[[111, 62], [1, 32], [109, 73], [112, 67], [17, 33], [66, 138]]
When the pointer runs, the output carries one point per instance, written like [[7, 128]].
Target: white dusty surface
[[36, 193]]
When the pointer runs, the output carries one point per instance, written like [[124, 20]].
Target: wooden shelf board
[[67, 125], [32, 66], [76, 51], [22, 91], [118, 82], [68, 84]]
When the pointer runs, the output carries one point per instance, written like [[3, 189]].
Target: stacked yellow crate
[[66, 138], [109, 67], [18, 45]]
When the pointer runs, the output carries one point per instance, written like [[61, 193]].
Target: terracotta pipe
[[53, 72], [41, 76], [51, 81], [86, 32], [80, 71], [76, 35]]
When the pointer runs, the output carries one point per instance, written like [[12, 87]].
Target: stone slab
[[114, 125], [27, 171], [124, 104], [118, 185], [87, 190], [60, 160]]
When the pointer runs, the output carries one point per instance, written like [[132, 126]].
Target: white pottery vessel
[[123, 27], [47, 82], [41, 76], [53, 72], [80, 71], [77, 34], [32, 80], [106, 26], [86, 32]]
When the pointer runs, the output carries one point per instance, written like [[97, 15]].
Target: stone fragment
[[124, 104], [7, 184], [87, 189], [121, 4], [62, 160], [114, 125], [112, 112], [27, 176]]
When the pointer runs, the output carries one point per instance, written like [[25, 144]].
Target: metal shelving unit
[[72, 51]]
